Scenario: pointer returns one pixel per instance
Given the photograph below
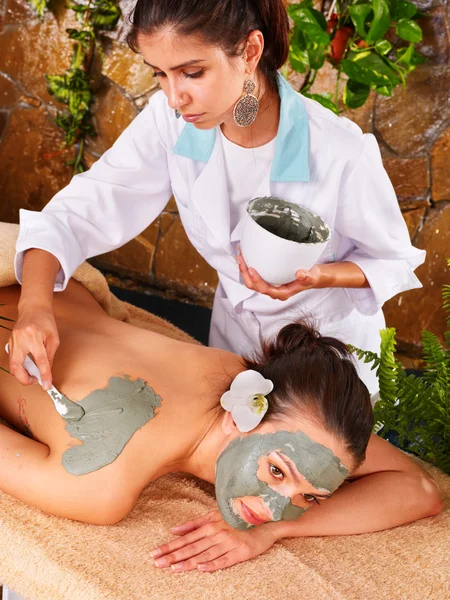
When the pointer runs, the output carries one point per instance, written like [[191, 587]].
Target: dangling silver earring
[[246, 108], [177, 114]]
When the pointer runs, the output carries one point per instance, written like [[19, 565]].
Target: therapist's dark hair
[[314, 376], [226, 23]]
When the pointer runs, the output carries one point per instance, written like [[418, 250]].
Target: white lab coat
[[321, 161]]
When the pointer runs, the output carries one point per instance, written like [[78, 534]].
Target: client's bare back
[[97, 355]]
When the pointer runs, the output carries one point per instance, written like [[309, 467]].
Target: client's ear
[[228, 425]]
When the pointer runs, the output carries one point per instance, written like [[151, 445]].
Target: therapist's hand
[[209, 543], [35, 332], [306, 280]]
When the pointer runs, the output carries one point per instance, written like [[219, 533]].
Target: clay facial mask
[[237, 469], [288, 221], [111, 416]]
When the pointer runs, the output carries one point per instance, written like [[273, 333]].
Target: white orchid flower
[[246, 399]]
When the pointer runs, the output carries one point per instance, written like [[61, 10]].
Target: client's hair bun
[[315, 376], [292, 337], [301, 336]]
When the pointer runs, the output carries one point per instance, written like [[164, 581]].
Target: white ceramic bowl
[[276, 259]]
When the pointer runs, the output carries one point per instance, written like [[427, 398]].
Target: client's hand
[[35, 332], [306, 280], [209, 543]]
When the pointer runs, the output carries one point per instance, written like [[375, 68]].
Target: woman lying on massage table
[[142, 405]]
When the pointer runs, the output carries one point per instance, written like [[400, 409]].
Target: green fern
[[416, 409], [446, 296], [366, 356]]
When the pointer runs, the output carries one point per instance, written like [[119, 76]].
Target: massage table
[[43, 557]]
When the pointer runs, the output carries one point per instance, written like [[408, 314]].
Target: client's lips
[[250, 516]]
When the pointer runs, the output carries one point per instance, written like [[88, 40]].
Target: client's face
[[276, 474]]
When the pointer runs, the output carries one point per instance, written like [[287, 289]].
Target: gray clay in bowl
[[288, 221]]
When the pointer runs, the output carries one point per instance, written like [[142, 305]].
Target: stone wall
[[412, 127]]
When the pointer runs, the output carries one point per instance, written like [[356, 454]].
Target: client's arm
[[388, 490]]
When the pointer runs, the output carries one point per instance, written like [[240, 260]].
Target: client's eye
[[310, 498], [276, 472]]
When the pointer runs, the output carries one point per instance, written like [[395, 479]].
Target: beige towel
[[44, 557]]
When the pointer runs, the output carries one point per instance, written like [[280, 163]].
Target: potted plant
[[370, 43]]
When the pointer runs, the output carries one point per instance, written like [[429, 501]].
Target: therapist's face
[[199, 80], [278, 472]]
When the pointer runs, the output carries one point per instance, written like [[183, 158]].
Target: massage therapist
[[206, 140]]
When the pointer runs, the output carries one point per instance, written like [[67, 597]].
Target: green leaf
[[400, 9], [79, 8], [70, 125], [320, 18], [384, 90], [57, 86], [383, 47], [298, 54], [292, 9], [408, 58], [316, 53], [84, 37], [324, 100], [310, 25], [39, 6], [359, 14], [381, 21], [369, 68], [409, 30], [64, 121], [79, 101], [88, 129], [105, 15], [355, 93]]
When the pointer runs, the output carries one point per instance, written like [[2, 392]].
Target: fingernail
[[160, 562], [201, 567], [155, 553], [252, 272], [177, 567], [46, 385]]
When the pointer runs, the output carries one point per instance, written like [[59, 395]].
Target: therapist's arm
[[339, 274], [35, 330], [39, 272]]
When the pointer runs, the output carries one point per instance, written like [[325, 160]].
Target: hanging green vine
[[370, 42], [73, 88]]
